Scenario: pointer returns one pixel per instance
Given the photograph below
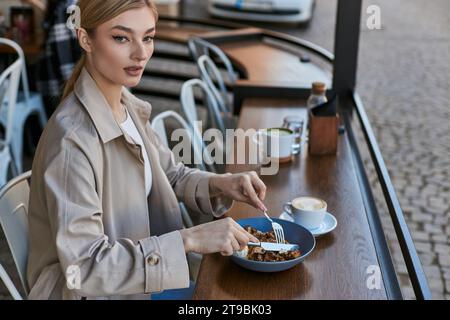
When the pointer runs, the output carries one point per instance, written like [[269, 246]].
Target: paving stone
[[408, 293], [420, 236], [434, 229], [437, 295], [436, 285], [441, 220], [432, 272], [444, 260], [401, 269], [447, 286], [410, 191], [437, 209], [442, 249], [423, 246], [437, 202], [446, 273], [439, 238], [428, 259], [398, 257], [422, 217]]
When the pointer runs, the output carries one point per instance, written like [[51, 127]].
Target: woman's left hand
[[245, 187]]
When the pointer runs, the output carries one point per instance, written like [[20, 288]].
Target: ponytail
[[70, 85]]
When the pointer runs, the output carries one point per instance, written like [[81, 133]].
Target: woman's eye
[[120, 39], [148, 39]]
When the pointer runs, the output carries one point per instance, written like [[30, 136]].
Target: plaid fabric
[[61, 51]]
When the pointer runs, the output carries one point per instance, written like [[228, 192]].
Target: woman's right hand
[[224, 236]]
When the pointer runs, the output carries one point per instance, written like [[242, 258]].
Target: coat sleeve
[[105, 268], [191, 185]]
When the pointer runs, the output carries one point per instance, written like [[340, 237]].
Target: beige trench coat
[[93, 231]]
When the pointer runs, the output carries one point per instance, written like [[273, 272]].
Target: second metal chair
[[14, 222]]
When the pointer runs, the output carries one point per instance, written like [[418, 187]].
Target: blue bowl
[[293, 233]]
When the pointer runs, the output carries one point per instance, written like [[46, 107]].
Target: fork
[[277, 229]]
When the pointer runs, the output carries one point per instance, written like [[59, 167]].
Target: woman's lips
[[134, 71]]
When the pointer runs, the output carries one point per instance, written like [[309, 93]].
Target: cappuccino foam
[[309, 203]]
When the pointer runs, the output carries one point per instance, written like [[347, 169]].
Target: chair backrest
[[189, 106], [14, 221], [19, 51], [9, 87], [211, 76], [199, 47], [158, 124]]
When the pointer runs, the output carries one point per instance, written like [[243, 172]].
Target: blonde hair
[[95, 13]]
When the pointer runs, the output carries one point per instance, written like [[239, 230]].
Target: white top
[[130, 128]]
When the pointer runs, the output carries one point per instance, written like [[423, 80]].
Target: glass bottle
[[318, 95]]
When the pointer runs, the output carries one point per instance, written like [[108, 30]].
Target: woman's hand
[[224, 236], [245, 187]]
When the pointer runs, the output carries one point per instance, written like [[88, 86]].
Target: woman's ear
[[84, 40]]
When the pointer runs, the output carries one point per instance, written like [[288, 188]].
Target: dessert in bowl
[[262, 261]]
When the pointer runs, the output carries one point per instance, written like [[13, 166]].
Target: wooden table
[[263, 61], [171, 31], [337, 268]]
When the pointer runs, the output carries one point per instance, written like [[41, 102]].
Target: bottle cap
[[319, 87]]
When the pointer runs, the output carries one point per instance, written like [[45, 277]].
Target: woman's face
[[122, 46]]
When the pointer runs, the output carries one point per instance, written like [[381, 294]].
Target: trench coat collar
[[95, 103]]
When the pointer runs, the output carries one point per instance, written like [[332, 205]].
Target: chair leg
[[187, 221], [17, 148], [5, 162], [14, 169], [9, 284]]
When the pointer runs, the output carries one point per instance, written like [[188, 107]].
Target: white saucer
[[329, 224]]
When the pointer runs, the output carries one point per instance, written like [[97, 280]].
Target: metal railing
[[412, 261]]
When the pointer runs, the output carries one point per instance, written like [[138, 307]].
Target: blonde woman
[[104, 218]]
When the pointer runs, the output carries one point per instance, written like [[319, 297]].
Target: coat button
[[153, 260]]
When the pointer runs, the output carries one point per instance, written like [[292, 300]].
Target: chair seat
[[14, 198]]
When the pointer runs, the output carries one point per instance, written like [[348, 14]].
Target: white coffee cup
[[308, 212], [276, 143]]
